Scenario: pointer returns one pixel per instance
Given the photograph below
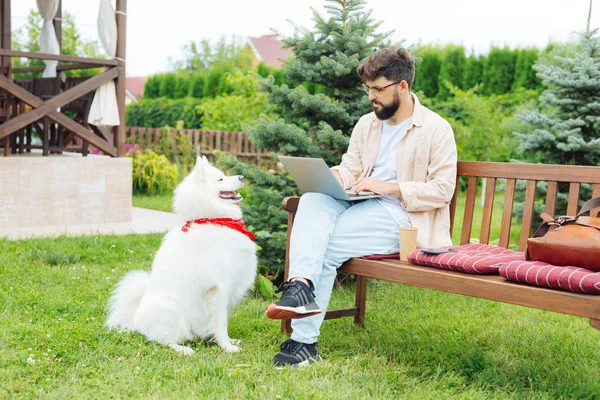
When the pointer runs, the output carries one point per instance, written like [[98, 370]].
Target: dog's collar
[[235, 224]]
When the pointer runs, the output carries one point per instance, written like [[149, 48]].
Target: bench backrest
[[531, 173]]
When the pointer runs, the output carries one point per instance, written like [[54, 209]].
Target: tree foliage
[[567, 126]]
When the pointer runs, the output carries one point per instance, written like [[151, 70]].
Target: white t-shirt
[[384, 168]]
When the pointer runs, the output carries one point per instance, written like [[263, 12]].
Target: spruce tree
[[567, 129], [311, 125]]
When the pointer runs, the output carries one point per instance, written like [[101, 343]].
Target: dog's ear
[[201, 164]]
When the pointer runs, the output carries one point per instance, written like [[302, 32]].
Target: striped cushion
[[538, 273], [469, 258]]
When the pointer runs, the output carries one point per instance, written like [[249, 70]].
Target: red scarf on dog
[[235, 224]]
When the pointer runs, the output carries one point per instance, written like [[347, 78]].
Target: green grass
[[417, 343], [161, 202]]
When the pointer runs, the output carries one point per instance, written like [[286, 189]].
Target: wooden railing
[[235, 143]]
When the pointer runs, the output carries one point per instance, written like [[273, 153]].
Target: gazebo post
[[6, 44], [58, 26], [119, 131]]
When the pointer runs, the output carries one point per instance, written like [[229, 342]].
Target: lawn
[[417, 343], [160, 202]]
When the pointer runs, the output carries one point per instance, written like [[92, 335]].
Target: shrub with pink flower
[[132, 149]]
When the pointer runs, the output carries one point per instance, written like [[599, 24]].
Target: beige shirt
[[426, 168]]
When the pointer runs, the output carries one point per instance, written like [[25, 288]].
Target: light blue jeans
[[327, 232]]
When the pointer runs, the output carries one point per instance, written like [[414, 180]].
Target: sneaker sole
[[276, 312], [301, 364]]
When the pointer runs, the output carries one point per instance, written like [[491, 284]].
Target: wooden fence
[[235, 143]]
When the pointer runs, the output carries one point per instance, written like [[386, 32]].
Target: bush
[[499, 71], [525, 75], [231, 112], [427, 72], [152, 87], [483, 125], [197, 86], [452, 70], [153, 173], [182, 86], [178, 148], [158, 112], [473, 71], [167, 85]]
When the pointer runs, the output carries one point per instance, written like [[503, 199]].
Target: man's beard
[[388, 111]]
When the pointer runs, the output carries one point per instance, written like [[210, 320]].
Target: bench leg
[[360, 300], [286, 326], [595, 323]]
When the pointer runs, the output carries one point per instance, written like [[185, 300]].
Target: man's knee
[[308, 199], [334, 256]]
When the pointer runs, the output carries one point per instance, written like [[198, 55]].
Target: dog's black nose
[[241, 178]]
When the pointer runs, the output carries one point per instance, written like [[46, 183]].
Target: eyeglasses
[[377, 90]]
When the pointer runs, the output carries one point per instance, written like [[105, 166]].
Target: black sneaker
[[297, 301], [296, 354]]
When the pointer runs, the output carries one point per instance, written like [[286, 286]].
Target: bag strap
[[589, 205]]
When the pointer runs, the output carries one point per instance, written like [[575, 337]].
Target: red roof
[[136, 85], [268, 49]]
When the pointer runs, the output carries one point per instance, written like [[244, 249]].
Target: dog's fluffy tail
[[125, 300]]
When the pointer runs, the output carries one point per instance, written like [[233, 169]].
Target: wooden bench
[[482, 286]]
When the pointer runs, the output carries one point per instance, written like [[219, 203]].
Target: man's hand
[[376, 186]]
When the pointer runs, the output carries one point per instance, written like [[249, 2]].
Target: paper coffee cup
[[408, 241]]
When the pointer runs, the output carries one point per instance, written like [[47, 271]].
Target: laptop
[[313, 175]]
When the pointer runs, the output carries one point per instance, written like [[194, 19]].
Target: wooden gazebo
[[21, 109]]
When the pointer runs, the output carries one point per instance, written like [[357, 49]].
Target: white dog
[[200, 272]]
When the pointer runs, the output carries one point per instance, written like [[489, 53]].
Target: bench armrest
[[290, 204]]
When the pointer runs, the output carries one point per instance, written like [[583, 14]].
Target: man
[[401, 150]]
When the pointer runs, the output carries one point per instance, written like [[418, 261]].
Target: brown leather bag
[[568, 240]]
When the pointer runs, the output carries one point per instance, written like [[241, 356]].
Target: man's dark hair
[[394, 63]]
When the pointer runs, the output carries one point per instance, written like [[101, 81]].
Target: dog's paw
[[230, 348], [186, 351], [235, 342]]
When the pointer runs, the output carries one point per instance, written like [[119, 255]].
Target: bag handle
[[589, 205], [548, 219]]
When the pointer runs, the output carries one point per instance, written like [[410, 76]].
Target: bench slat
[[541, 172], [465, 236], [491, 287], [527, 214], [551, 198], [507, 210], [453, 207], [488, 207], [573, 204]]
